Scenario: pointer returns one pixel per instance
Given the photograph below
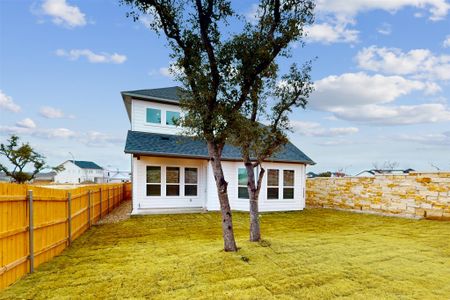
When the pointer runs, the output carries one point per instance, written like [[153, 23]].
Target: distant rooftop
[[86, 164]]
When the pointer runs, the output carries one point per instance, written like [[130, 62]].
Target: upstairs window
[[242, 184], [173, 181], [273, 184], [190, 181], [153, 116], [288, 184], [172, 117], [153, 181]]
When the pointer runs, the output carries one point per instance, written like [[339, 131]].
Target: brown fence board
[[50, 221]]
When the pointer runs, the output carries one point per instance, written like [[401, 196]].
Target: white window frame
[[190, 184], [165, 117], [154, 183], [289, 186], [272, 186], [161, 123], [241, 185], [180, 180]]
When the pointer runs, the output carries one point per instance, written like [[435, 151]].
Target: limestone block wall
[[414, 195]]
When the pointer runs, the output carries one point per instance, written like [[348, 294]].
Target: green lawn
[[314, 254]]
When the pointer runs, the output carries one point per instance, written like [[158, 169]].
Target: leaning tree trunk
[[253, 191], [227, 222]]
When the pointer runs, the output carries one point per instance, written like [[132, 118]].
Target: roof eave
[[164, 154]]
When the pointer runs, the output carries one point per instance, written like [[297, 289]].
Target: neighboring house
[[311, 175], [48, 177], [79, 171], [116, 176], [373, 172], [171, 172]]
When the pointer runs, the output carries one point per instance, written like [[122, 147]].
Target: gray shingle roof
[[86, 164], [168, 93], [156, 144]]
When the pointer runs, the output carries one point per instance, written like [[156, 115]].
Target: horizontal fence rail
[[38, 223]]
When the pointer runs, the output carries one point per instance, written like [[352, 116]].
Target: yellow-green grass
[[313, 254]]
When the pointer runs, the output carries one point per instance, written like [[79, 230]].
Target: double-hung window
[[273, 184], [190, 181], [172, 181], [153, 181], [172, 117], [153, 115], [288, 184], [242, 184]]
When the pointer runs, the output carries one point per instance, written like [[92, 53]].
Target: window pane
[[190, 190], [190, 175], [242, 176], [288, 177], [173, 175], [172, 190], [153, 115], [272, 177], [153, 190], [243, 192], [172, 117], [272, 193], [153, 174], [288, 193]]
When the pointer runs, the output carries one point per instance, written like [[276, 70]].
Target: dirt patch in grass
[[314, 254]]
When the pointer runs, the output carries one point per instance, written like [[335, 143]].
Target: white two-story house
[[79, 171], [171, 172]]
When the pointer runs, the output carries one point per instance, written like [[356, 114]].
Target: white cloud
[[91, 138], [165, 72], [385, 29], [172, 71], [328, 33], [446, 43], [47, 133], [437, 9], [7, 103], [395, 115], [26, 123], [92, 57], [420, 63], [51, 112], [315, 129], [427, 138], [63, 13], [335, 16], [350, 89]]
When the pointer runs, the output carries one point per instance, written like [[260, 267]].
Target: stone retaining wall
[[414, 195]]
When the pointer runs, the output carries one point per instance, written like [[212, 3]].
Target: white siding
[[139, 115], [142, 202], [207, 190], [71, 173], [230, 170]]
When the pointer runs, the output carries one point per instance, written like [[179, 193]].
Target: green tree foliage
[[221, 66], [259, 142], [21, 156]]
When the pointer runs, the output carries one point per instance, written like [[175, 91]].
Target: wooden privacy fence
[[37, 223]]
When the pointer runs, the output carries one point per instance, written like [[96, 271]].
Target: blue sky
[[382, 80]]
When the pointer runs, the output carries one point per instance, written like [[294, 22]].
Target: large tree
[[270, 103], [221, 56], [21, 156]]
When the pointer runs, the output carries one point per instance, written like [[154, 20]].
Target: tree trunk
[[227, 222], [253, 191]]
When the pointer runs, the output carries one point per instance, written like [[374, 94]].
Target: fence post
[[69, 216], [89, 208], [31, 230], [101, 199], [108, 200]]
